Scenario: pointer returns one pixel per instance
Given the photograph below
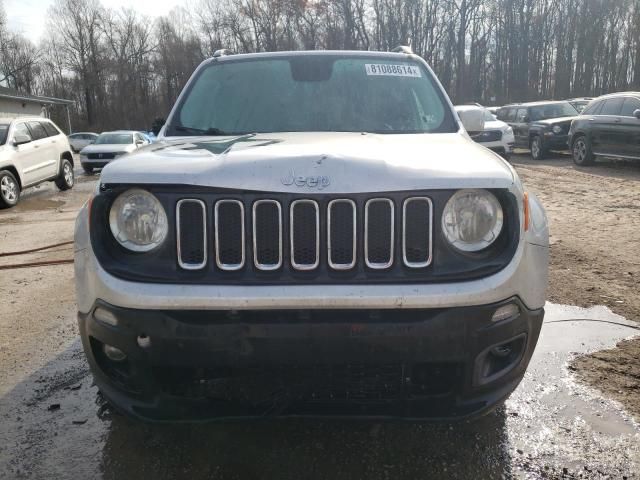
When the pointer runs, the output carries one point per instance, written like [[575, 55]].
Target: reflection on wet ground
[[54, 425]]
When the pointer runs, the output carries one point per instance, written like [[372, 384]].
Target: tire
[[538, 151], [65, 180], [581, 152], [9, 189], [87, 169]]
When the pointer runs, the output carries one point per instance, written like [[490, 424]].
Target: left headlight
[[138, 221], [472, 220]]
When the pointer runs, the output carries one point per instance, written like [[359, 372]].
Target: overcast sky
[[29, 16]]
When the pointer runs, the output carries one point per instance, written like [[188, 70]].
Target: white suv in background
[[496, 134], [32, 150]]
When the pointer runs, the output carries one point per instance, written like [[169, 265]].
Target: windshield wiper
[[200, 131]]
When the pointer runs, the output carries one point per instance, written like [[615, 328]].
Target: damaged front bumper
[[437, 363]]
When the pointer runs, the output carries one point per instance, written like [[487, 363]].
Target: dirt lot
[[594, 216], [54, 424]]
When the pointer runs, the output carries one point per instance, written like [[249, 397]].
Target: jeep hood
[[311, 162], [108, 148], [555, 121]]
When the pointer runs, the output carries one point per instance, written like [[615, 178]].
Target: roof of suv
[[301, 53], [619, 94], [535, 104], [6, 120]]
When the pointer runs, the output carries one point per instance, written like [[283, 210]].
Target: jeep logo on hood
[[319, 181]]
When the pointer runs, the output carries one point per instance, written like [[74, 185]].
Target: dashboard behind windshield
[[313, 93], [114, 139]]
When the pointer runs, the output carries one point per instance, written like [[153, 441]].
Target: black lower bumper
[[411, 363], [555, 142]]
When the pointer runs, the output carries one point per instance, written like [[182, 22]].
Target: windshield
[[488, 116], [311, 94], [553, 110], [4, 129], [115, 138]]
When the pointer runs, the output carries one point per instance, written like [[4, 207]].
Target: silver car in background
[[109, 146], [80, 140]]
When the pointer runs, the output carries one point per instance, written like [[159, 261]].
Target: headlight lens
[[472, 220], [138, 220], [557, 129], [508, 131]]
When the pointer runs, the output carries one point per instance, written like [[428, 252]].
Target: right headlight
[[138, 221], [472, 220]]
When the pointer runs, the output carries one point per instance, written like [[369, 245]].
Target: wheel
[[581, 152], [9, 189], [65, 179], [537, 149], [87, 169]]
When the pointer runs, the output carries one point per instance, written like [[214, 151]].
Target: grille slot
[[304, 221], [341, 234], [229, 234], [267, 235], [191, 234], [417, 232], [379, 233]]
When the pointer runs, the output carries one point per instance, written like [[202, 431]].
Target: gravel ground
[[594, 216], [54, 424]]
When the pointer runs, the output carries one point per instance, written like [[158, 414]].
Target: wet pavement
[[53, 424]]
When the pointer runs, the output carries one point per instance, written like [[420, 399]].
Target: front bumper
[[413, 363], [553, 141]]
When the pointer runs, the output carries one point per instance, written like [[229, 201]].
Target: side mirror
[[472, 118], [526, 119], [636, 113], [139, 142], [21, 139]]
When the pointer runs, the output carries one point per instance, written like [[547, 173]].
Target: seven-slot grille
[[300, 228]]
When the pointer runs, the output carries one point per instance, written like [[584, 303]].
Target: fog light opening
[[506, 312], [144, 341], [105, 316], [113, 353]]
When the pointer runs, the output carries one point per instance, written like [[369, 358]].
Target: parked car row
[[34, 150], [608, 126]]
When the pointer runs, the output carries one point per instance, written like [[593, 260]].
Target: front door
[[48, 165], [630, 128], [27, 155], [607, 131]]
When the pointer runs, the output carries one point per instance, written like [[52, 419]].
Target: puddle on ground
[[550, 427]]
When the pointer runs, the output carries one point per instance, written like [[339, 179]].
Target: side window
[[510, 115], [593, 108], [21, 129], [37, 130], [521, 115], [631, 104], [612, 106], [50, 128]]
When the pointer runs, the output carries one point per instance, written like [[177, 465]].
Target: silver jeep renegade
[[314, 234]]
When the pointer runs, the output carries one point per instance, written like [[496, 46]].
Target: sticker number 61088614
[[392, 70]]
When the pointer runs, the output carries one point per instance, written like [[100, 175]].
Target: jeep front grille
[[229, 234], [336, 234], [191, 224]]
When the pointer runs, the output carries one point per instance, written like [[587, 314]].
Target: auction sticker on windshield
[[392, 70]]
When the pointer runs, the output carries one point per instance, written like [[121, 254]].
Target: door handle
[[617, 120]]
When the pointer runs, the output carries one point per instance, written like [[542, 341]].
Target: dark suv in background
[[539, 126], [608, 127]]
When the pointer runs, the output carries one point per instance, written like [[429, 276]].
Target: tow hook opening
[[499, 359]]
